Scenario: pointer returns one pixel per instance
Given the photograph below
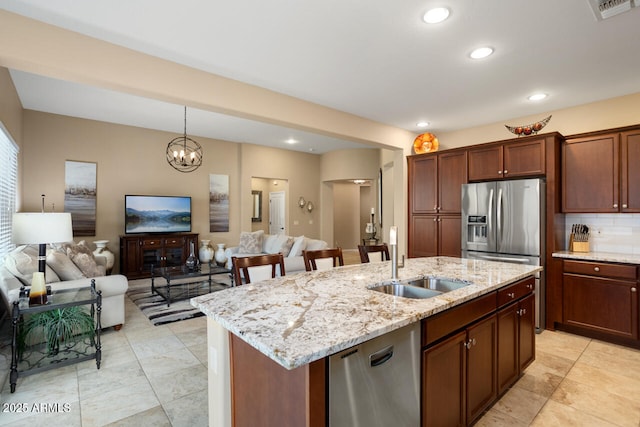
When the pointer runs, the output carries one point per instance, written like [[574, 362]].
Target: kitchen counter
[[599, 256], [301, 318]]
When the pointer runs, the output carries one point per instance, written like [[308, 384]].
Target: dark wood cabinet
[[444, 382], [459, 375], [601, 300], [508, 160], [630, 171], [434, 203], [482, 389], [591, 174], [601, 173], [516, 338], [433, 235], [138, 253]]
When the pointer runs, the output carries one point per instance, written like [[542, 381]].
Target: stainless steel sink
[[407, 291], [426, 287], [440, 284]]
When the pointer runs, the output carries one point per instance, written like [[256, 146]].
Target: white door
[[276, 212]]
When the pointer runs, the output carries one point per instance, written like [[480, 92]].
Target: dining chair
[[256, 268], [322, 259], [382, 249]]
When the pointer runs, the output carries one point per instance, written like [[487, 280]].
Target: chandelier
[[183, 153]]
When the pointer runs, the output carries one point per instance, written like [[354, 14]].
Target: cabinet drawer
[[153, 242], [174, 242], [442, 324], [601, 269], [516, 291]]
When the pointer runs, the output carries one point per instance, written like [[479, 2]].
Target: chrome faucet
[[394, 262]]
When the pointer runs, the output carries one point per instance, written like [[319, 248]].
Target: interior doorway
[[277, 203], [261, 189]]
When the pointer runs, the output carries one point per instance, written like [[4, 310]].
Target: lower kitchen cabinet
[[516, 337], [474, 352], [459, 375], [601, 300]]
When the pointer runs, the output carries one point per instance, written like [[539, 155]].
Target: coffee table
[[183, 283]]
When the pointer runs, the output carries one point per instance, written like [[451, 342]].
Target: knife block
[[577, 246]]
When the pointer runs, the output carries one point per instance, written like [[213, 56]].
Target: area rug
[[155, 307]]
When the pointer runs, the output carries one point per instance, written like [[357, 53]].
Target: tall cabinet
[[434, 203]]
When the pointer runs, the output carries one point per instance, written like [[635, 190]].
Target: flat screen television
[[157, 214]]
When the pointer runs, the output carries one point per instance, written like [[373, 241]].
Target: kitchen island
[[292, 323]]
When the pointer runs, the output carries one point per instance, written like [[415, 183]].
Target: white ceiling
[[375, 59]]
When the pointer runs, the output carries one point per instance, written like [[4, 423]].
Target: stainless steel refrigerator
[[504, 221]]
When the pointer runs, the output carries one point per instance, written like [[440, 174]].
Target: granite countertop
[[303, 317], [599, 256]]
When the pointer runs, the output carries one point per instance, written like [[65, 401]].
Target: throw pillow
[[315, 244], [251, 243], [299, 245], [275, 243], [286, 246], [63, 266], [83, 258], [22, 262]]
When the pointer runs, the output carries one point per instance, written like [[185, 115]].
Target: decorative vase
[[205, 253], [220, 256], [192, 261], [103, 251]]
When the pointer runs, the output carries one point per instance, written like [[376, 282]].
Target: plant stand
[[42, 356]]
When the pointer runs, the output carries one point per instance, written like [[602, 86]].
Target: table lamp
[[31, 228]]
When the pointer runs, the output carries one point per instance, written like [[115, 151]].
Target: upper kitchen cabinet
[[630, 172], [510, 159], [601, 173], [435, 181]]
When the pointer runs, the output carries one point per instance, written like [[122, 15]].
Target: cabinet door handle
[[596, 268], [435, 208], [470, 343], [522, 311], [499, 172], [529, 286], [633, 289], [624, 206], [615, 205], [506, 171], [511, 295]]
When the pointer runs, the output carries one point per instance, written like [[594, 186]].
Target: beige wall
[[606, 114], [11, 118]]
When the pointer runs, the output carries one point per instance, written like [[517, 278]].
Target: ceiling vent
[[604, 9]]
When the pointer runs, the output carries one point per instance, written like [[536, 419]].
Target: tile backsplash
[[618, 233]]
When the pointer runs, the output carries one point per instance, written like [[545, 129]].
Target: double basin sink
[[426, 287]]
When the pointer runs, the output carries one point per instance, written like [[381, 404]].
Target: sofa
[[257, 242], [69, 265]]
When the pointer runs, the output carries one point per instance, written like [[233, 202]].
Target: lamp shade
[[48, 227]]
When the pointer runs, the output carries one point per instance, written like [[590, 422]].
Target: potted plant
[[54, 327]]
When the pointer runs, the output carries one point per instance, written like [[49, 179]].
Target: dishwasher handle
[[381, 357]]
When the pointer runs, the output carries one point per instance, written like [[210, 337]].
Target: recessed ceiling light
[[537, 96], [359, 181], [436, 15], [291, 141], [422, 124], [481, 52]]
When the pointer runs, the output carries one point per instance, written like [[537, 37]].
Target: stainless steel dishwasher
[[377, 383]]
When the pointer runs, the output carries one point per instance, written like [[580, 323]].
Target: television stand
[[139, 252]]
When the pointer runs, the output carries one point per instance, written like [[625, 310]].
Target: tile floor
[[157, 376]]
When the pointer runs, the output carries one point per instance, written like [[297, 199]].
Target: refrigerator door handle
[[499, 218], [490, 214]]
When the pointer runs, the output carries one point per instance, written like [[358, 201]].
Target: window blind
[[8, 190]]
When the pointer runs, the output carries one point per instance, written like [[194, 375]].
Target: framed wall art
[[80, 195], [218, 203]]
